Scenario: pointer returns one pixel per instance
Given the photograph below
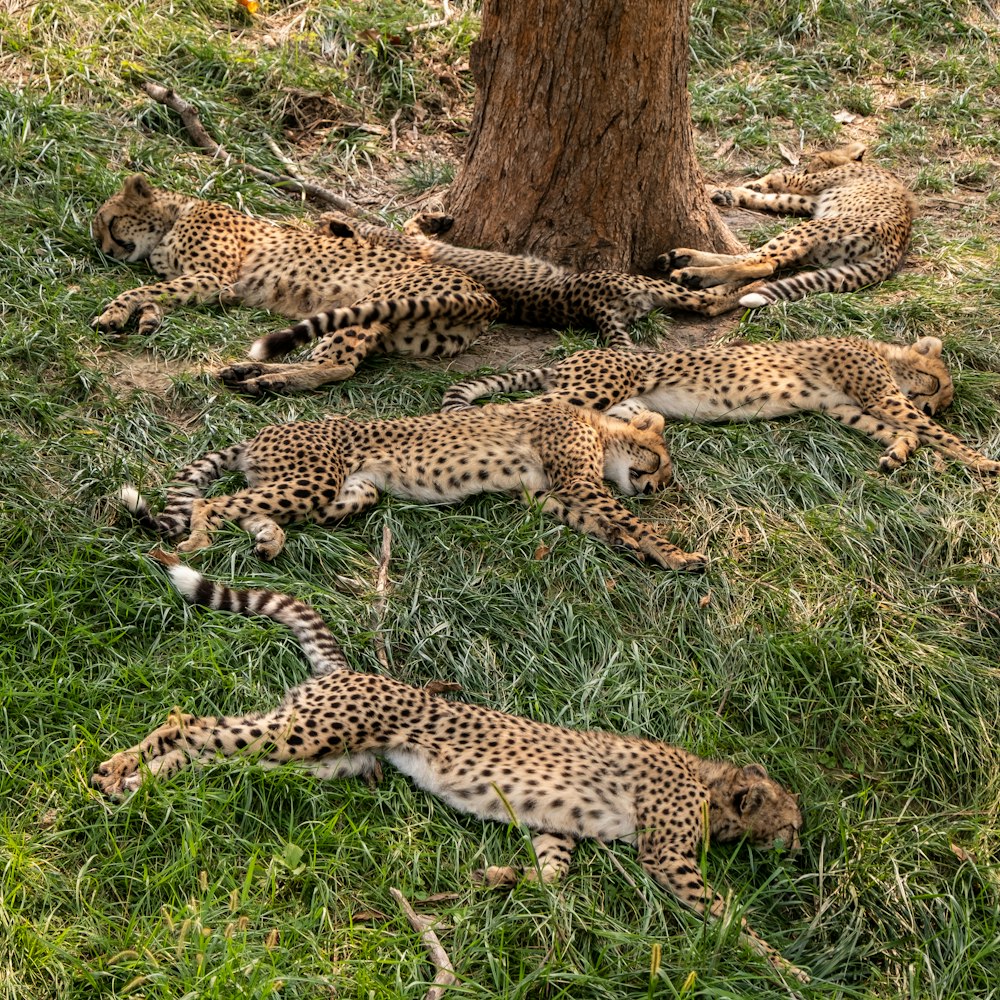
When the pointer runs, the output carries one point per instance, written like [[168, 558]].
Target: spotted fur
[[324, 471], [563, 784], [886, 391], [858, 234], [385, 300], [530, 290]]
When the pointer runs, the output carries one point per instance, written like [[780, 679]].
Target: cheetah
[[884, 390], [859, 231], [383, 300], [527, 289], [327, 470], [563, 784]]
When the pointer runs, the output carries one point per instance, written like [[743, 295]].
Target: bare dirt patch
[[145, 371]]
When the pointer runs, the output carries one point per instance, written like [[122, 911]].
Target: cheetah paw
[[496, 877], [195, 541], [672, 260], [232, 374], [117, 775], [428, 224], [722, 196], [112, 320]]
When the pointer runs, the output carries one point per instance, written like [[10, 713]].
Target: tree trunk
[[582, 148]]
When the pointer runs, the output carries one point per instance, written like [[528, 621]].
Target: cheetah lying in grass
[[564, 784], [860, 228], [527, 289], [383, 300], [883, 390], [326, 470]]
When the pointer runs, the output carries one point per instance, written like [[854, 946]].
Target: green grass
[[847, 633]]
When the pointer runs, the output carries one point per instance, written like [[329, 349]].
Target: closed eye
[[934, 391], [126, 245]]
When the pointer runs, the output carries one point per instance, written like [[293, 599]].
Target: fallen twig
[[382, 590], [191, 121], [438, 956]]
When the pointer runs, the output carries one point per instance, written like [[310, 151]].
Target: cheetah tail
[[175, 519], [846, 278], [468, 307], [317, 641], [463, 395]]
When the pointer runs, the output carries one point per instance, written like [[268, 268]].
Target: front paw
[[118, 775], [673, 259], [238, 373], [689, 562], [692, 278], [112, 320], [428, 224], [722, 196], [497, 877]]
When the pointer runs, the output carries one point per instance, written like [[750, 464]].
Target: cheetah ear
[[648, 420], [137, 188], [748, 800], [337, 227], [856, 151], [752, 771], [930, 346]]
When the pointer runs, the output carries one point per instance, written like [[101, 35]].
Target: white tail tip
[[132, 499], [754, 300], [258, 352], [185, 579]]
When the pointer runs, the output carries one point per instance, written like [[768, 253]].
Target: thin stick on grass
[[439, 957], [191, 121], [382, 592]]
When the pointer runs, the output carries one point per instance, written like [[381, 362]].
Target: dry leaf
[[442, 687], [703, 602], [723, 149], [541, 552], [365, 915], [787, 154], [962, 854], [844, 117], [610, 583]]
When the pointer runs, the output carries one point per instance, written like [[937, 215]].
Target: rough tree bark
[[582, 147]]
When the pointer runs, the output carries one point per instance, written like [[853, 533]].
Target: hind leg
[[259, 510], [273, 736], [357, 494], [809, 242], [334, 358]]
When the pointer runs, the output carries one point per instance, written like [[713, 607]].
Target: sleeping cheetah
[[528, 290], [879, 389], [384, 300], [565, 784], [326, 470], [858, 234]]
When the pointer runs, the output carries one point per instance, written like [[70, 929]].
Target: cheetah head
[[922, 375], [852, 153], [131, 224], [636, 457], [750, 804]]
